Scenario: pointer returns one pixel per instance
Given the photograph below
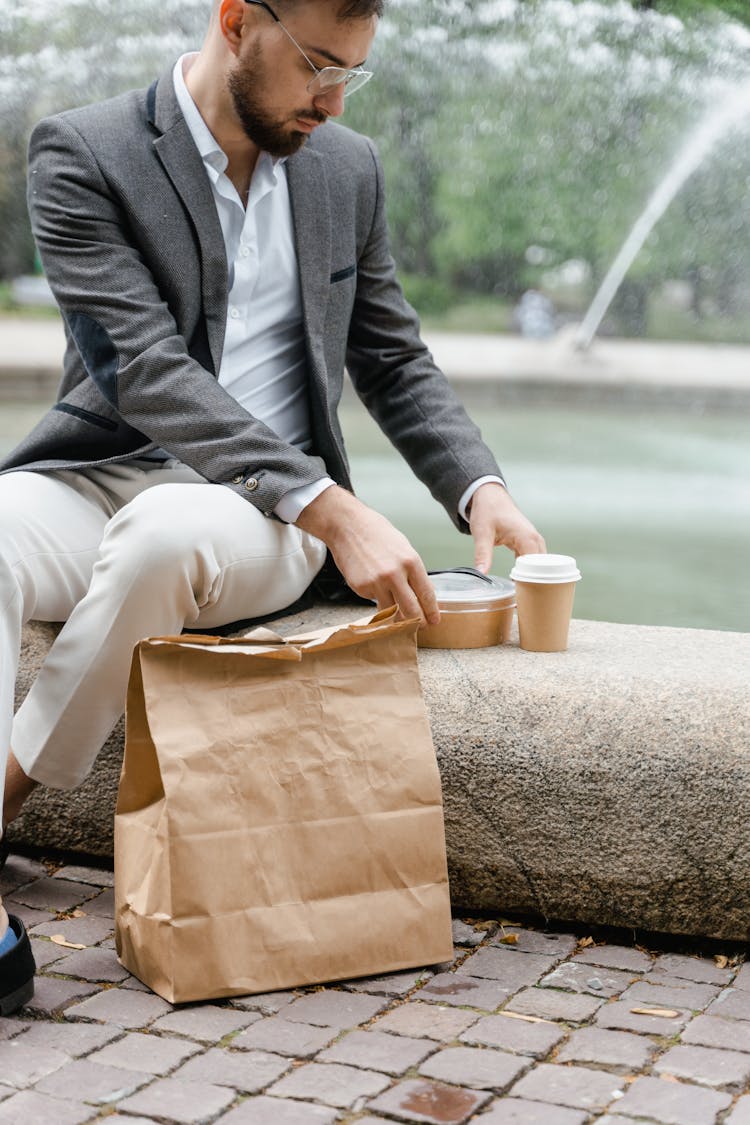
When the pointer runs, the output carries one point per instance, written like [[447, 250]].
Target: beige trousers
[[121, 553]]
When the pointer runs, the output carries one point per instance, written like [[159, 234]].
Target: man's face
[[268, 83]]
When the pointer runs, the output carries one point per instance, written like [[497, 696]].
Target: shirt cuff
[[292, 503], [466, 498]]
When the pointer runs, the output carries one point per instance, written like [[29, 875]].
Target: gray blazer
[[126, 226]]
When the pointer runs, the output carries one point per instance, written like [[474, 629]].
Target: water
[[655, 505], [715, 125]]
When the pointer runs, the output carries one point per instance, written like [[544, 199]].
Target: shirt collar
[[209, 148]]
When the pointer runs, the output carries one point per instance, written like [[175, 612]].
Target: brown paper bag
[[279, 819]]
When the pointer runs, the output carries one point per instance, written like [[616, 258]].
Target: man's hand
[[376, 560], [495, 521]]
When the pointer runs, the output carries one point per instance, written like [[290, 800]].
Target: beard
[[270, 134]]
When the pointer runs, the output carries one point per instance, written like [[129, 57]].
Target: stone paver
[[505, 964], [330, 1083], [618, 1049], [460, 990], [549, 1004], [740, 1114], [88, 930], [524, 1027], [395, 984], [121, 1007], [464, 934], [683, 994], [431, 1102], [706, 1065], [206, 1023], [713, 1031], [91, 964], [575, 977], [246, 1071], [376, 1050], [52, 995], [74, 1039], [152, 1054], [419, 1019], [53, 894], [619, 1016], [334, 1008], [615, 957], [267, 1003], [532, 941], [697, 969], [576, 1086], [732, 1003], [102, 905], [95, 876], [176, 1100], [275, 1034], [475, 1067], [31, 1108], [516, 1111], [280, 1111], [23, 1066], [92, 1082], [672, 1103], [518, 1036]]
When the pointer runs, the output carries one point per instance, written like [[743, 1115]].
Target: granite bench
[[609, 784]]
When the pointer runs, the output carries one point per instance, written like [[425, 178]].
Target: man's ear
[[231, 21]]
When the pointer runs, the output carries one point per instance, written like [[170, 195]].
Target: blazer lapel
[[183, 164], [311, 215]]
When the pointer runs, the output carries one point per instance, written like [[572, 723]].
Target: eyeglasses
[[328, 77]]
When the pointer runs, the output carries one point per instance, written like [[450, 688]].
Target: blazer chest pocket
[[343, 275]]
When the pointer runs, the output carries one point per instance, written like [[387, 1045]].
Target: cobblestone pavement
[[522, 1027]]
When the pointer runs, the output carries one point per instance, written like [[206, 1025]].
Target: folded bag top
[[279, 820]]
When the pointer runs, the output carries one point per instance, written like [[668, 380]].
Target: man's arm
[[97, 259]]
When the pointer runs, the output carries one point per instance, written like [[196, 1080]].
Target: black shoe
[[17, 970]]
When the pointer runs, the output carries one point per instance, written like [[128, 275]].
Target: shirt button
[[237, 479], [251, 484], [234, 313], [244, 251]]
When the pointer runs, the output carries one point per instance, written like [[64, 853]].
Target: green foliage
[[516, 136]]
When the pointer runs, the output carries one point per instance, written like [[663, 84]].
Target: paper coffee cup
[[545, 588]]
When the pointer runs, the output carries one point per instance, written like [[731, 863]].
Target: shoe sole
[[15, 1000]]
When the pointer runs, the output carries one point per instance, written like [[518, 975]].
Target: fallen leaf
[[668, 1078], [509, 939], [60, 939], [527, 1019], [662, 1013], [721, 961], [585, 942], [78, 913]]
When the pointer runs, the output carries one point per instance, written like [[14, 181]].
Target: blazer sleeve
[[127, 336], [397, 379]]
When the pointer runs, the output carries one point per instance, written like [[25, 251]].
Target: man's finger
[[484, 542]]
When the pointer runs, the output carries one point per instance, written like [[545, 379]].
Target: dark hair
[[348, 9], [361, 9]]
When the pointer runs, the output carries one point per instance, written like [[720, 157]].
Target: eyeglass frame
[[346, 74]]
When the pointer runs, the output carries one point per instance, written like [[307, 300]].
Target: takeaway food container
[[476, 610]]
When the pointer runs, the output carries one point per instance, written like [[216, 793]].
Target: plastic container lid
[[465, 588], [545, 568]]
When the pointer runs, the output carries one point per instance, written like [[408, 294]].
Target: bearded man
[[219, 252]]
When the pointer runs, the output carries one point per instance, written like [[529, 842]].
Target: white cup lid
[[545, 568]]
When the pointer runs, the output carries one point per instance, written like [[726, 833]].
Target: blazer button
[[251, 484], [237, 479]]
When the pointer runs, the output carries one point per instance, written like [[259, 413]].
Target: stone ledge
[[609, 784]]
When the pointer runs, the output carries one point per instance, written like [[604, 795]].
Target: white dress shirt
[[264, 361]]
